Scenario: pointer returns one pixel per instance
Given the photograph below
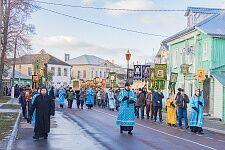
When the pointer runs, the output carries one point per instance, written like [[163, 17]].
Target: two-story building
[[60, 70], [201, 45], [88, 67]]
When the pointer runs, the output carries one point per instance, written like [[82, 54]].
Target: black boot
[[130, 133], [35, 137]]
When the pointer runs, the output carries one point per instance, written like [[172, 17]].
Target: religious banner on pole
[[137, 72], [130, 75], [112, 78], [173, 77], [145, 72], [160, 76], [160, 71]]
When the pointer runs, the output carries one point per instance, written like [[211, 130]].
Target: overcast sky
[[58, 34]]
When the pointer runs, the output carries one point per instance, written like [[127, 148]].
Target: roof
[[18, 75], [202, 10], [220, 76], [30, 58], [213, 25], [86, 60]]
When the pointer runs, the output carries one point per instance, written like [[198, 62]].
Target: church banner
[[160, 71], [145, 72], [137, 72]]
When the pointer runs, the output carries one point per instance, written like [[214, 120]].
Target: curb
[[14, 132], [214, 130]]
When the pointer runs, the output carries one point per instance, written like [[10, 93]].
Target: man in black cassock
[[43, 104]]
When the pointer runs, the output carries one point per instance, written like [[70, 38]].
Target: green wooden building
[[201, 45]]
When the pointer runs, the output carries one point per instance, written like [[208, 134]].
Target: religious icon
[[160, 74], [173, 77]]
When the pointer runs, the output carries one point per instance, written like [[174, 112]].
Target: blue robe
[[90, 97], [196, 119], [126, 116], [34, 114], [111, 100], [62, 95]]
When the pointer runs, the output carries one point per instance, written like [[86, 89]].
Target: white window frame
[[205, 51], [173, 59]]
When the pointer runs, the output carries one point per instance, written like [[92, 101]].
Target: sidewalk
[[65, 134], [5, 142]]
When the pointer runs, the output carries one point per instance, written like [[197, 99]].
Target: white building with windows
[[87, 67], [60, 69]]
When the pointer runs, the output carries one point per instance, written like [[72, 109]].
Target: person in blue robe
[[196, 119], [89, 97], [62, 95], [126, 115], [111, 99], [34, 95]]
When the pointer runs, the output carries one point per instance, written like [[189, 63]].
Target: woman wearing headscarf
[[43, 105], [197, 105]]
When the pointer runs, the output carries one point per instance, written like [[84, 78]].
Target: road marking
[[202, 145], [221, 141], [209, 138]]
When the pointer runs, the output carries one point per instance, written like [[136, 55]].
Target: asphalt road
[[97, 129], [148, 135]]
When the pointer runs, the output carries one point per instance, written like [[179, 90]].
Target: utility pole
[[14, 62], [1, 31]]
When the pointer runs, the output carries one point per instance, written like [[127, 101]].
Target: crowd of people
[[39, 104]]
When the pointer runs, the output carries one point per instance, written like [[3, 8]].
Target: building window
[[29, 71], [53, 71], [58, 82], [59, 72], [175, 59], [182, 56], [65, 83], [190, 55], [65, 72], [84, 74], [78, 74], [96, 74], [205, 51], [104, 74], [100, 74]]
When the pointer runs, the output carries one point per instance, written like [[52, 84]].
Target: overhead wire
[[101, 24], [122, 9]]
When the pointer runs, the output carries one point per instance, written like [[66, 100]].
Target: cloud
[[128, 4], [87, 1], [223, 4], [58, 45], [158, 19]]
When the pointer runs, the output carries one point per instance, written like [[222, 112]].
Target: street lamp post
[[128, 56]]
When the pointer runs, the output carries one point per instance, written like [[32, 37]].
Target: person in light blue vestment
[[34, 95], [62, 95], [126, 115], [111, 99], [89, 97], [196, 120]]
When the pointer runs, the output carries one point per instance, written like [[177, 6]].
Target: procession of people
[[39, 104]]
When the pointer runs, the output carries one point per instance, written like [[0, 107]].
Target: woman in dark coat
[[43, 106]]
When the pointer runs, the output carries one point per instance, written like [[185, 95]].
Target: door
[[206, 94]]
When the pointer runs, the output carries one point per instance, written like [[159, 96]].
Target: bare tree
[[15, 28]]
